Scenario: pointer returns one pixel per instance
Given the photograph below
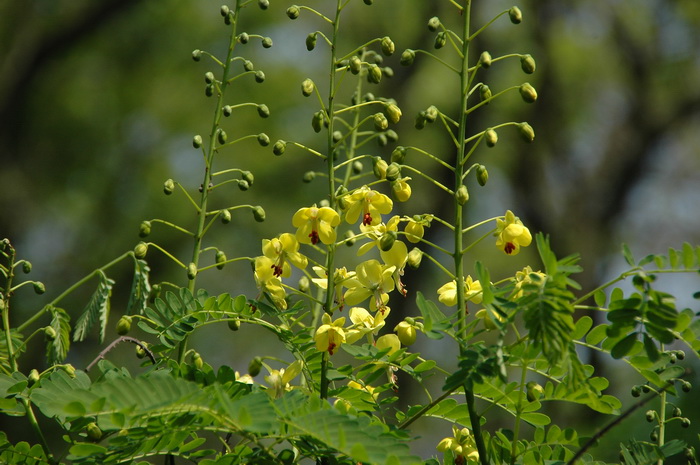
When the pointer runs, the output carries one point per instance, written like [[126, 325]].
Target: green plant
[[516, 352]]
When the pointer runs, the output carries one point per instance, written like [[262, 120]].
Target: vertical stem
[[662, 419], [6, 308], [518, 411]]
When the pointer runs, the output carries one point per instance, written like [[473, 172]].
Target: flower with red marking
[[511, 234], [330, 335], [284, 250], [316, 224], [370, 203]]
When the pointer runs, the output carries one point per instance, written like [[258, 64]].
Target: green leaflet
[[96, 309], [21, 453], [57, 349], [140, 289]]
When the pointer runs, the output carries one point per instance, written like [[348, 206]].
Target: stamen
[[314, 237], [509, 248]]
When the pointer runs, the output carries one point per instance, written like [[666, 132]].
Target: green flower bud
[[646, 389], [485, 92], [677, 412], [224, 10], [368, 2], [680, 354], [140, 250], [393, 112], [374, 74], [227, 110], [279, 147], [337, 136], [685, 422], [50, 333], [485, 59], [650, 415], [69, 369], [209, 90], [462, 195], [368, 97], [39, 287], [307, 87], [243, 185], [431, 114], [388, 47], [196, 55], [420, 121], [379, 168], [311, 41], [208, 77], [197, 360], [393, 171], [228, 19], [33, 377], [527, 63], [221, 136], [534, 391], [382, 141], [248, 65], [516, 16], [380, 122], [259, 214], [225, 216], [248, 176], [263, 111], [263, 4], [155, 292], [124, 325], [440, 40], [243, 38], [526, 131], [355, 64], [491, 137], [482, 176], [145, 229], [636, 391], [317, 121], [267, 42], [386, 242], [263, 139], [406, 332], [259, 77], [140, 351], [304, 284], [26, 267], [407, 57], [349, 238], [433, 24], [654, 435], [197, 141], [391, 135], [220, 259], [357, 167], [94, 433], [528, 93], [293, 12], [308, 176], [191, 271], [414, 258], [255, 366], [686, 386], [168, 186], [399, 154], [234, 324]]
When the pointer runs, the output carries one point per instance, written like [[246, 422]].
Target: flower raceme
[[511, 234], [447, 293], [316, 224], [283, 251], [370, 203]]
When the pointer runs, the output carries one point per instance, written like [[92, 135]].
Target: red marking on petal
[[314, 237], [277, 270], [331, 348], [367, 219], [509, 248]]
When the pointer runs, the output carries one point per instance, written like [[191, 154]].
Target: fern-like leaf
[[57, 348], [96, 310], [21, 453], [140, 289], [171, 319]]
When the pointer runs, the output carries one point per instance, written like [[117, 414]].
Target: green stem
[[6, 308], [518, 411]]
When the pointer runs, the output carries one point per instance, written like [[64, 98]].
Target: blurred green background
[[99, 102]]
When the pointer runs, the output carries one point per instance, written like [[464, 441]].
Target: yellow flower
[[330, 335], [269, 283], [525, 277], [390, 341], [316, 224], [372, 279], [375, 233], [511, 234], [365, 388], [365, 323], [284, 250], [401, 189], [340, 277], [447, 294], [279, 379], [462, 445], [414, 231], [370, 203]]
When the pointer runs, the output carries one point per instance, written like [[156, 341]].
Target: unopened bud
[[145, 229], [263, 4], [386, 242], [526, 131], [221, 136], [407, 57], [311, 41], [491, 137], [309, 176], [357, 167], [485, 59], [248, 65], [431, 114], [197, 141], [516, 16], [124, 325], [337, 136], [50, 333], [440, 40], [406, 332], [374, 74], [414, 258], [27, 268], [433, 24], [393, 112], [317, 121], [462, 195], [33, 377], [349, 238], [355, 64], [197, 360], [225, 216], [391, 135], [140, 250], [393, 171], [243, 38], [220, 259], [380, 122], [685, 422], [243, 185], [307, 87], [69, 369], [224, 10], [263, 110], [234, 324], [304, 284], [388, 46], [227, 110], [140, 351], [534, 391], [259, 77], [209, 90], [379, 168], [259, 214], [485, 92], [293, 12], [191, 271], [420, 121], [528, 93], [94, 433], [267, 42], [255, 366], [279, 147], [263, 139], [527, 63], [482, 175], [39, 287], [208, 77], [398, 155], [196, 55]]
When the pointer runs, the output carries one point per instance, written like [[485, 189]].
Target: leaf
[[18, 346], [623, 346], [483, 275], [96, 309], [57, 349], [174, 317], [688, 255], [600, 298], [140, 289], [535, 418], [433, 319], [650, 348], [583, 325], [627, 254]]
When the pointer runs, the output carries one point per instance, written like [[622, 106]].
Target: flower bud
[[307, 87], [234, 324], [308, 176], [485, 92], [685, 422], [414, 258], [248, 65], [124, 325], [374, 74], [197, 141], [293, 12], [482, 176], [399, 154], [263, 111], [491, 137], [311, 41], [534, 391], [220, 259], [357, 167], [259, 77], [227, 110], [380, 122], [337, 136], [145, 229], [221, 136], [191, 271], [33, 377], [255, 366], [259, 214], [440, 40], [225, 216], [27, 268], [50, 333], [197, 360], [317, 121], [528, 93], [393, 171], [263, 4], [209, 90], [636, 391], [39, 287], [433, 24], [263, 139], [388, 47], [391, 135], [485, 59], [140, 250], [224, 10], [420, 121], [677, 412], [94, 433], [140, 351], [650, 415], [196, 55], [208, 77], [407, 57], [279, 147], [462, 195], [349, 238], [267, 42], [388, 341], [406, 332], [527, 63], [355, 64], [248, 177], [686, 386], [386, 242], [516, 16], [379, 168], [526, 131], [69, 369], [243, 38], [368, 2], [393, 112], [654, 435]]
